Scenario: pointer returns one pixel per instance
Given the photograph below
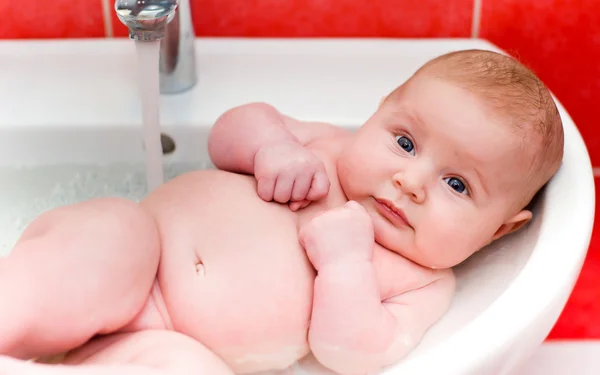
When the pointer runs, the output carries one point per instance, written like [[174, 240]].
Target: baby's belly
[[232, 273]]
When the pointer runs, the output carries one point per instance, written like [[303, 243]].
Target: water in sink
[[29, 191]]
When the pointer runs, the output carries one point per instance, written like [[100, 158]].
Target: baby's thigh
[[113, 237], [158, 349]]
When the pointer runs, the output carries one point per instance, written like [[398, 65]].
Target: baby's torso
[[232, 273]]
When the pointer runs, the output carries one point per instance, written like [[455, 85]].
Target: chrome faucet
[[169, 21]]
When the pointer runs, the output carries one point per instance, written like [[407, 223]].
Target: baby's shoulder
[[309, 132]]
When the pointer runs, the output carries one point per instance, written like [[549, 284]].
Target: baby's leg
[[76, 271], [140, 353]]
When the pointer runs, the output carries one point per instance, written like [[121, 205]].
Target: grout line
[[476, 22], [106, 9], [596, 171]]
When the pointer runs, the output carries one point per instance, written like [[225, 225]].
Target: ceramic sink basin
[[70, 129]]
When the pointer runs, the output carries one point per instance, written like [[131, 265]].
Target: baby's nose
[[412, 185]]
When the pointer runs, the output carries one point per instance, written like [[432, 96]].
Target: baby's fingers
[[319, 186], [265, 188], [298, 205], [283, 189], [301, 186]]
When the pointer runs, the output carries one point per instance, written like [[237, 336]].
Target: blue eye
[[456, 184], [406, 144]]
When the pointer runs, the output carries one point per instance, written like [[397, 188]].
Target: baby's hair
[[515, 94]]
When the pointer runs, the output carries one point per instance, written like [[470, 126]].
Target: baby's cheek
[[446, 240]]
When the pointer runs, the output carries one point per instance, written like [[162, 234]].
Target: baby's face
[[438, 175]]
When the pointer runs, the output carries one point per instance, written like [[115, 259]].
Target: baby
[[308, 238]]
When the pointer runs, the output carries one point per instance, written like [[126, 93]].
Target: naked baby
[[308, 238]]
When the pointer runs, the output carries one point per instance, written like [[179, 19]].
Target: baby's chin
[[387, 235]]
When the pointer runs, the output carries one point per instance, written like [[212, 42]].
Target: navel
[[200, 269]]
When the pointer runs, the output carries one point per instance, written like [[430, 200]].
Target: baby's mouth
[[393, 213]]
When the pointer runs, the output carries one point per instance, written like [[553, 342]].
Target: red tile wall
[[559, 39], [51, 19], [335, 18]]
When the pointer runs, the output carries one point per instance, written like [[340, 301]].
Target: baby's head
[[450, 160]]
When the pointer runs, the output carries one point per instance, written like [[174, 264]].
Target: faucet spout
[[169, 21], [146, 19]]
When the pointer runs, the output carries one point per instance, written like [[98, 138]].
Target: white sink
[[70, 129]]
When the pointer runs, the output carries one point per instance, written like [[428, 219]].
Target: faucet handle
[[146, 19]]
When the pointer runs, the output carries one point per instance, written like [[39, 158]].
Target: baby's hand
[[344, 234], [290, 173]]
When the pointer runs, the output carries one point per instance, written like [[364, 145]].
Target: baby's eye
[[406, 144], [457, 185]]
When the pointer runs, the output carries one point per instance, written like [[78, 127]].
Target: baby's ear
[[513, 224]]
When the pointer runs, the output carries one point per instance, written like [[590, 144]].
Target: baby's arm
[[241, 132], [352, 331], [256, 139]]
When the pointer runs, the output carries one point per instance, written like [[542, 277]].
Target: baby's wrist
[[274, 144], [344, 273], [342, 264]]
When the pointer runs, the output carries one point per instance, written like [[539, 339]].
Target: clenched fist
[[343, 234], [289, 172]]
